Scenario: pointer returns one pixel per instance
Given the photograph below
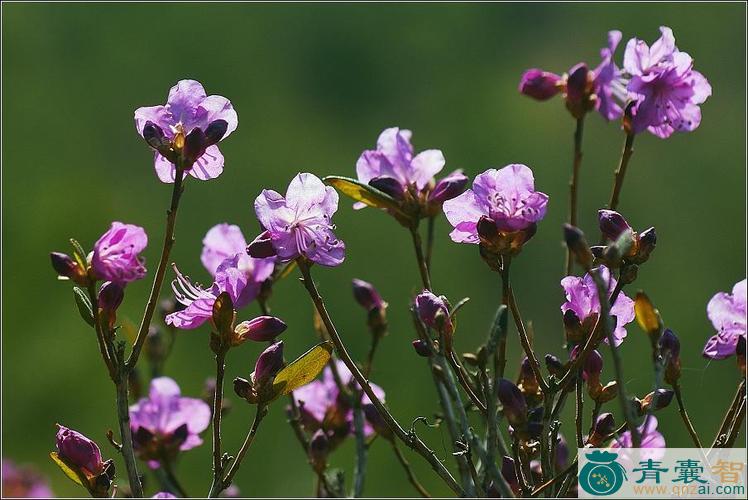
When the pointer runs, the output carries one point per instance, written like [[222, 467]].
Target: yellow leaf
[[303, 370], [646, 315], [69, 472], [362, 192]]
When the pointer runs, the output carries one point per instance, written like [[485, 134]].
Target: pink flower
[[650, 438], [116, 254]]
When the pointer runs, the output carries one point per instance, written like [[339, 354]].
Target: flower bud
[[448, 187], [155, 137], [110, 296], [603, 394], [66, 267], [528, 384], [367, 296], [215, 131], [554, 365], [573, 327], [261, 247], [269, 363], [388, 186], [422, 348], [604, 426], [647, 243], [194, 146], [79, 451], [612, 224], [656, 400], [579, 90], [513, 403], [593, 366], [433, 311], [670, 352], [578, 246], [538, 84], [319, 447], [509, 472], [243, 388], [259, 329]]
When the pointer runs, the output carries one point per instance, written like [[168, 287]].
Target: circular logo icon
[[601, 475]]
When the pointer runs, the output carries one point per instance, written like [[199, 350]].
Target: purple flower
[[23, 482], [226, 240], [165, 422], [582, 299], [189, 108], [116, 254], [301, 223], [241, 287], [393, 159], [367, 296], [78, 450], [433, 311], [583, 89], [319, 400], [163, 494], [666, 88], [728, 315], [650, 438], [506, 196]]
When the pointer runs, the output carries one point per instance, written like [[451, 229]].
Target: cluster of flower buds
[[368, 297], [629, 249], [654, 401], [80, 458], [591, 371], [259, 387]]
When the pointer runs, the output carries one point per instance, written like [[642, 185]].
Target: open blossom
[[165, 422], [727, 312], [582, 299], [506, 196], [583, 89], [300, 224], [116, 255], [666, 88], [321, 407], [650, 438], [23, 482], [187, 109]]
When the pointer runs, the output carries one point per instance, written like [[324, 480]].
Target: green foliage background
[[313, 86]]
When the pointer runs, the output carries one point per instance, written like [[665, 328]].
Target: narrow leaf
[[78, 253], [362, 192], [84, 305], [303, 370], [69, 472]]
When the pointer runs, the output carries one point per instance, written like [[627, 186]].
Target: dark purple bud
[[577, 87], [78, 450], [63, 264], [509, 472], [194, 146], [261, 247], [578, 246], [319, 447], [433, 311], [269, 363], [612, 224], [657, 400], [215, 132], [554, 365], [487, 229], [155, 137], [605, 424], [179, 436], [366, 295], [593, 366], [242, 387], [539, 84], [388, 186], [513, 403], [449, 187], [259, 329], [669, 345], [110, 296], [422, 348], [647, 243]]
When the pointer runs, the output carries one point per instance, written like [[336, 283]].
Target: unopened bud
[[538, 84], [388, 186], [261, 247], [578, 246], [366, 295], [604, 427], [513, 403], [215, 131], [656, 400], [554, 365], [647, 244], [422, 348], [110, 296], [670, 352], [593, 366], [448, 187], [66, 267], [269, 363], [79, 451], [259, 329], [612, 224], [578, 91]]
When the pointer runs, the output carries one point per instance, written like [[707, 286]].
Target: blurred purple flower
[[116, 254], [301, 223], [319, 399], [666, 88], [582, 299], [650, 438], [188, 108], [165, 422], [506, 196], [163, 494], [23, 482], [728, 315]]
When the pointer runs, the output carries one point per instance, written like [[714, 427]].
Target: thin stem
[[226, 481], [409, 438], [370, 355], [172, 480], [123, 416], [429, 241], [571, 467], [684, 416], [158, 281], [359, 473], [465, 383], [104, 347], [574, 186], [628, 150], [727, 421], [217, 414], [412, 479], [422, 265], [578, 415], [736, 425], [492, 438]]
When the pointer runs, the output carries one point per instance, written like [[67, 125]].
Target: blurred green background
[[314, 85]]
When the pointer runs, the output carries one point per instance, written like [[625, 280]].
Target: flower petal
[[221, 241], [209, 165]]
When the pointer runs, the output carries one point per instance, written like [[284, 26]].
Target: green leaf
[[84, 305], [498, 329], [303, 370], [363, 192], [68, 470], [78, 253]]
